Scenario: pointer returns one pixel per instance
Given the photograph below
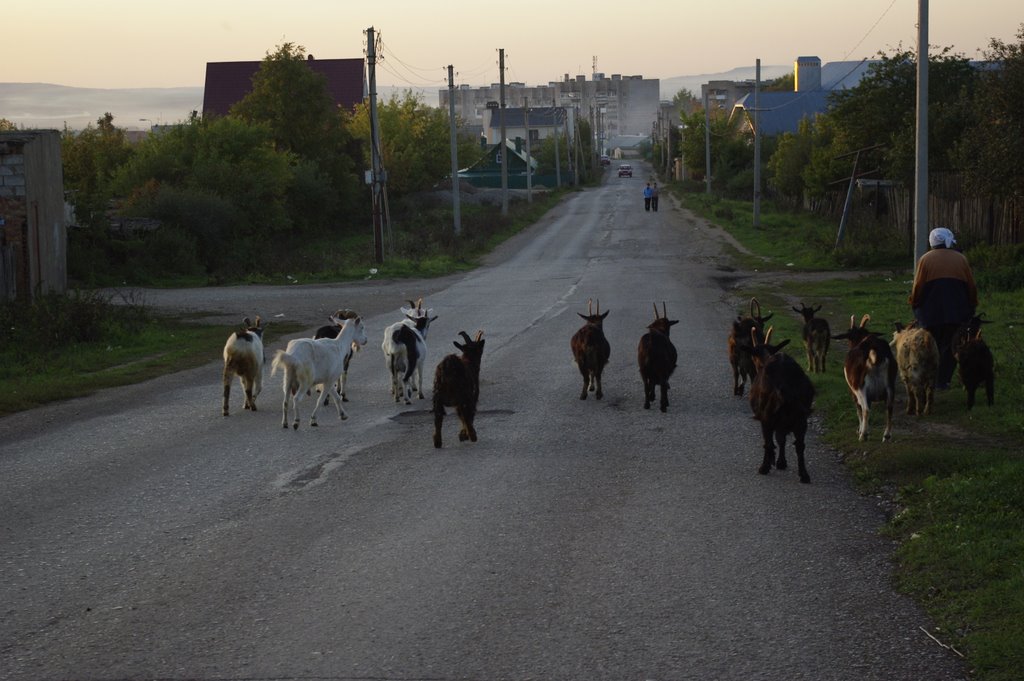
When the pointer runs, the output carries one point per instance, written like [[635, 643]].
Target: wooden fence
[[973, 219]]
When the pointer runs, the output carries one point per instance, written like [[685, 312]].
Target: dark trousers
[[647, 203], [654, 202]]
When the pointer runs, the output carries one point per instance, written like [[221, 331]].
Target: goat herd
[[781, 394]]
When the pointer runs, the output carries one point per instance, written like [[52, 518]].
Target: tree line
[[976, 131]]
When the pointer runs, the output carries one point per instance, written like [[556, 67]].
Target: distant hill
[[670, 86]]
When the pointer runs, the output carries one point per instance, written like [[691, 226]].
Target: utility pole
[[529, 159], [921, 166], [377, 177], [456, 212], [757, 145], [503, 148], [558, 164], [707, 144]]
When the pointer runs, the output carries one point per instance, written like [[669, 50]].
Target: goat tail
[[281, 359]]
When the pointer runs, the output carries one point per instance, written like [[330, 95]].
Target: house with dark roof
[[228, 82], [543, 123], [486, 173]]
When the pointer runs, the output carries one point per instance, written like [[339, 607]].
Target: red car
[[625, 170]]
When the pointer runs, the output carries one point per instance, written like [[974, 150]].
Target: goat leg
[[769, 450], [664, 396], [780, 460], [597, 379], [227, 394], [337, 401], [799, 436], [466, 413], [438, 420]]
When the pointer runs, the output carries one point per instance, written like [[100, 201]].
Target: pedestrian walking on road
[[648, 196], [654, 197]]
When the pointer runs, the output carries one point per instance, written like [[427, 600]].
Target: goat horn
[[853, 320], [598, 306], [664, 310], [655, 310], [479, 335], [768, 334], [590, 306], [864, 320]]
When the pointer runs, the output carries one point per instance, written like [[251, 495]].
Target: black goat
[[781, 396], [457, 384], [816, 335], [590, 350], [657, 357], [976, 366], [739, 338]]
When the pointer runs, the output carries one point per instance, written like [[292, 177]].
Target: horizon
[[86, 44]]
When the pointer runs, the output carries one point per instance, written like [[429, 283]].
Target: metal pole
[[558, 162], [921, 167], [757, 145], [529, 168], [456, 210]]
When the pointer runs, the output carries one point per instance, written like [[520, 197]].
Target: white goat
[[405, 351], [309, 362], [243, 357]]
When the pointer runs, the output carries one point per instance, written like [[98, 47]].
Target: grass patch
[[957, 477], [45, 357]]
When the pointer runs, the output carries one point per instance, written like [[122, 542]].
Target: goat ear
[[672, 322], [898, 326], [798, 311], [782, 345], [817, 309], [583, 315], [433, 319], [462, 348], [246, 323], [605, 314], [770, 315]]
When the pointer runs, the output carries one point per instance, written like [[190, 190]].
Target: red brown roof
[[227, 82]]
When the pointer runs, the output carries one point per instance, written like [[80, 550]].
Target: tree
[[786, 83], [686, 102], [91, 157], [415, 143], [994, 144], [6, 125]]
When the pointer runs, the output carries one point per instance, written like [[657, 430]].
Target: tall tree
[[91, 157], [993, 146]]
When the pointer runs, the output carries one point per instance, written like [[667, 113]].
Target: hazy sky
[[119, 44]]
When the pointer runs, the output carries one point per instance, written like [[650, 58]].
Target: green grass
[[957, 477]]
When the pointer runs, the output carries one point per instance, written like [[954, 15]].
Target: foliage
[[686, 102], [91, 157], [6, 125], [792, 156], [992, 147], [415, 143], [786, 83]]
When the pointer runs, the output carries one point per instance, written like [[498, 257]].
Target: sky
[[120, 44]]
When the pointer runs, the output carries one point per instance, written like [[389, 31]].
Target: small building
[[486, 173], [543, 122], [228, 82], [33, 236]]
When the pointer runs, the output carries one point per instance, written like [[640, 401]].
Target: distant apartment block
[[619, 105]]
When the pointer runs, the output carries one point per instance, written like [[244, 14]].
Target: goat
[[976, 366], [870, 372], [657, 357], [816, 335], [967, 331], [457, 384], [332, 331], [243, 357], [405, 351], [917, 356], [781, 396], [740, 359], [309, 362], [590, 350]]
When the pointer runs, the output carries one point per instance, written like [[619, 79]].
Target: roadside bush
[[997, 268]]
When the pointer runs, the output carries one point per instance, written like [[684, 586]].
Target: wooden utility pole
[[757, 145], [502, 148], [707, 145], [921, 166], [529, 167], [376, 179], [456, 213]]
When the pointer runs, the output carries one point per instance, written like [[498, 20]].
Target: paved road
[[142, 535]]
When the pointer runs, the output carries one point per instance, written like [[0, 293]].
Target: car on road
[[625, 170], [605, 161]]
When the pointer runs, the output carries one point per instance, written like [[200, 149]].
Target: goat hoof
[[806, 479], [295, 426], [583, 396], [344, 399], [599, 396], [763, 470], [647, 405], [781, 464], [226, 413], [312, 424], [437, 442]]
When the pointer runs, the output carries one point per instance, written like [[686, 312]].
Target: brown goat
[[816, 335], [870, 372], [917, 356], [590, 350], [457, 384], [657, 357], [739, 338], [781, 396], [976, 366]]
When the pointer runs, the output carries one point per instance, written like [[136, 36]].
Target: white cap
[[940, 236]]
